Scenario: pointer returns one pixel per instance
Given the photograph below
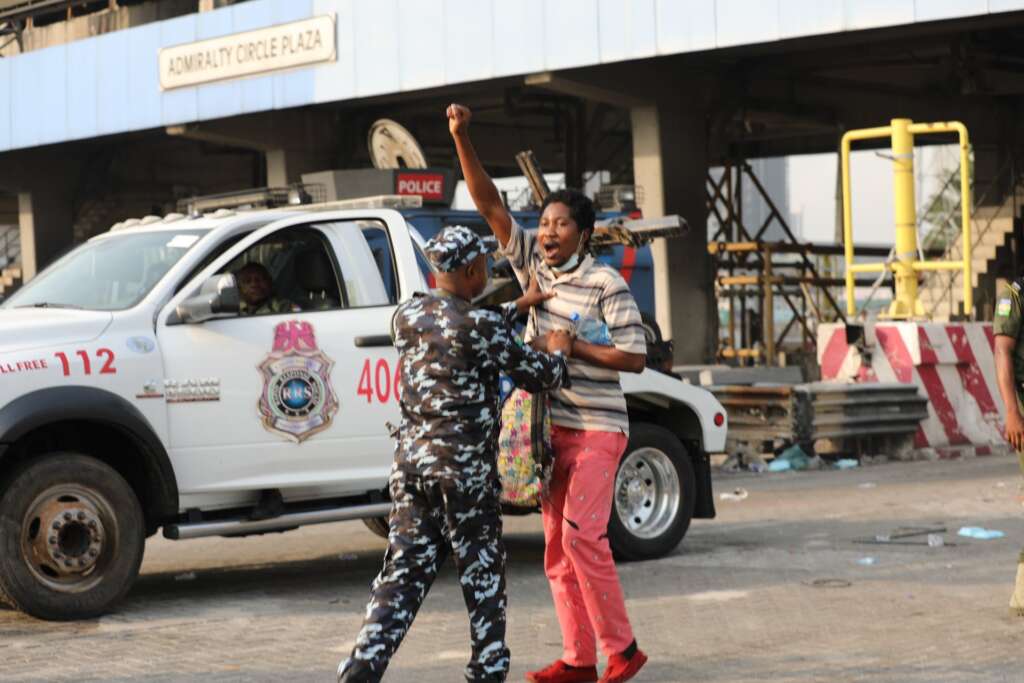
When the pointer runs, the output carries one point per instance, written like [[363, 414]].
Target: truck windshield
[[109, 274]]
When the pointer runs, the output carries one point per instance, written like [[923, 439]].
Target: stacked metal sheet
[[830, 410], [801, 413]]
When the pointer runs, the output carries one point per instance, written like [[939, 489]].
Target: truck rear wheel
[[654, 494], [72, 536]]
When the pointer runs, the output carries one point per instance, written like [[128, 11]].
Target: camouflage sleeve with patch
[[1007, 319], [497, 345]]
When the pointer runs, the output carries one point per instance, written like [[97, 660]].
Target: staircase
[[10, 259], [941, 292]]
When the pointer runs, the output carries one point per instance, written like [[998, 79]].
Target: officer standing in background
[[444, 484], [1009, 350]]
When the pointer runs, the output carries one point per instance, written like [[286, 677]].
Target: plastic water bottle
[[590, 330]]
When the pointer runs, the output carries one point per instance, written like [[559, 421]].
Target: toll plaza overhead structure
[[94, 127]]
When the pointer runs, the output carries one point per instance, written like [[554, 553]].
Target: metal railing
[[945, 281], [907, 265], [10, 246]]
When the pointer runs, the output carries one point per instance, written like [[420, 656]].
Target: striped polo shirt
[[595, 400]]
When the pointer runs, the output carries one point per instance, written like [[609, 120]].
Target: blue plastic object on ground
[[590, 330], [847, 464], [980, 533], [795, 456], [779, 465]]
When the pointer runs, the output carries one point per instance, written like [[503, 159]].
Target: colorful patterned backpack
[[525, 458]]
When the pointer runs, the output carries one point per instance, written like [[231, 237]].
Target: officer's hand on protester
[[458, 118], [1015, 429], [532, 296], [560, 340]]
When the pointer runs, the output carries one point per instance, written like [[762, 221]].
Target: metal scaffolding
[[752, 275]]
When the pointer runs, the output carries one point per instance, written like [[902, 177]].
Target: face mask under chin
[[569, 264]]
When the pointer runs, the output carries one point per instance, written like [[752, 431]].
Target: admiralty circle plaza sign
[[284, 46]]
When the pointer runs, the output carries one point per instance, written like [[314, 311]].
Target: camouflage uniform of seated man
[[444, 484], [256, 290], [1009, 350]]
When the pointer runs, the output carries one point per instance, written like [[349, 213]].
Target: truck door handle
[[373, 340]]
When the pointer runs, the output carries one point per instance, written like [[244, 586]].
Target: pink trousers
[[577, 558]]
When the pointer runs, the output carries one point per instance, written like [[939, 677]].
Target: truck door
[[295, 393]]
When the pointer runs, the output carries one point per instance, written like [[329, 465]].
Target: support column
[[670, 165], [46, 223], [277, 168]]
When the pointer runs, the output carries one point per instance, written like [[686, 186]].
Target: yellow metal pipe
[[905, 304], [867, 268], [906, 266], [938, 265]]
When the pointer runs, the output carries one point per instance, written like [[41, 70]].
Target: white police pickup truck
[[135, 397]]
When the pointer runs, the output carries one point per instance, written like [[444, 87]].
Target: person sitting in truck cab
[[256, 290]]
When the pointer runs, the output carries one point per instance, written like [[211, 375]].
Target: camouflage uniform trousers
[[430, 518]]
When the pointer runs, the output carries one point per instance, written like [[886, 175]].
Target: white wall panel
[[337, 81], [468, 41], [180, 105], [1005, 5], [25, 71], [570, 34], [932, 10], [742, 22], [51, 103], [809, 17], [376, 43], [218, 100], [6, 101], [144, 99], [295, 87], [518, 37], [256, 93], [111, 80], [420, 43], [862, 14], [627, 29], [82, 91], [685, 25]]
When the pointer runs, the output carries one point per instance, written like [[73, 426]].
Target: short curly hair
[[580, 207]]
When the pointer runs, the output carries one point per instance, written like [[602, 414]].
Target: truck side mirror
[[217, 297]]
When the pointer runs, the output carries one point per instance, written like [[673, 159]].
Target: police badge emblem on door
[[297, 399]]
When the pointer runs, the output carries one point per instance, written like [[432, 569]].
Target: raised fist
[[458, 118]]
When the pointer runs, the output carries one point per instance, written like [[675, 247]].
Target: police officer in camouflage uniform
[[1009, 349], [444, 485], [256, 290]]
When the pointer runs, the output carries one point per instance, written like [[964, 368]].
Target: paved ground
[[771, 590]]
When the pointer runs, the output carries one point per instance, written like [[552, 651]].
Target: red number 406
[[377, 381]]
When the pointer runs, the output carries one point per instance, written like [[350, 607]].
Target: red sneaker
[[620, 669], [560, 672]]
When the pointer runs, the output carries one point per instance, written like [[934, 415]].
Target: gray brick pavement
[[737, 602]]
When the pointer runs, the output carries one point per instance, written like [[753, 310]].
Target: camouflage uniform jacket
[[451, 354], [274, 304]]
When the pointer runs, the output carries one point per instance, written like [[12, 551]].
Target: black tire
[[72, 535], [378, 525], [654, 457]]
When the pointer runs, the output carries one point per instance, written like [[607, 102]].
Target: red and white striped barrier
[[952, 363]]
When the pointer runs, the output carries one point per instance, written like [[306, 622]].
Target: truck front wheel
[[72, 536], [654, 495]]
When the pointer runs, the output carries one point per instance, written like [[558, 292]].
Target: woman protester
[[589, 420]]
